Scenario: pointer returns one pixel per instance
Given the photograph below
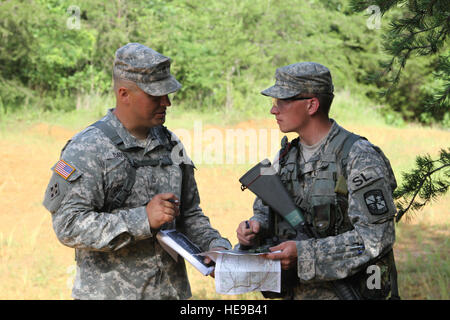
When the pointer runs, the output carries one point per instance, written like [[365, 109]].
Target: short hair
[[325, 100], [120, 82]]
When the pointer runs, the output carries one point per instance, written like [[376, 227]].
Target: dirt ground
[[34, 265]]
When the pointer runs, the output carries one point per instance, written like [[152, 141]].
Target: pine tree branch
[[413, 34], [422, 34], [420, 183], [419, 188]]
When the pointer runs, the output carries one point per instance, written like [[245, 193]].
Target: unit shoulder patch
[[53, 190], [375, 202]]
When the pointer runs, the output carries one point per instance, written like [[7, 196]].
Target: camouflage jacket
[[117, 254], [363, 233]]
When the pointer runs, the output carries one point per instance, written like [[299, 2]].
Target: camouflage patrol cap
[[300, 78], [149, 69]]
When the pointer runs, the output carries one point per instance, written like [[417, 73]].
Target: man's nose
[[165, 101], [274, 110]]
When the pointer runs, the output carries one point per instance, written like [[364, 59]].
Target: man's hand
[[288, 254], [163, 208], [247, 231], [208, 260]]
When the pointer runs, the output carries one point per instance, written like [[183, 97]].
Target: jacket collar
[[334, 131], [128, 139]]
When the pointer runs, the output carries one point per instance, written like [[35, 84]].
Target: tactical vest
[[161, 133], [323, 197]]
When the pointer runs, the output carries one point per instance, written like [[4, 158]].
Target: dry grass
[[34, 265]]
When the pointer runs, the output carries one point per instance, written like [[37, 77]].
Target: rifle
[[265, 183]]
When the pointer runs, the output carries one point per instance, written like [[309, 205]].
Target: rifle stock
[[263, 181]]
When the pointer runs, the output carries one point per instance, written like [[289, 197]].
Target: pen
[[174, 201], [243, 247], [170, 225]]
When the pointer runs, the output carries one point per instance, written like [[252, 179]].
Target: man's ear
[[313, 106], [123, 94]]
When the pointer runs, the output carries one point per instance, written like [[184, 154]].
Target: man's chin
[[282, 129], [285, 130], [159, 121]]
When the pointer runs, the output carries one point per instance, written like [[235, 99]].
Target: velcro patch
[[64, 169], [364, 177], [375, 202]]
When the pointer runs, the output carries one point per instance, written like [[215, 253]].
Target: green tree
[[418, 28], [422, 29], [222, 50]]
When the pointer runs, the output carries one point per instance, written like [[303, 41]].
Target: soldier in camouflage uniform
[[122, 179], [344, 186]]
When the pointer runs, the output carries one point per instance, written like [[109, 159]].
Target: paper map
[[237, 272]]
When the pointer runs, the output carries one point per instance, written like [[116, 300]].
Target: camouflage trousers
[[314, 291]]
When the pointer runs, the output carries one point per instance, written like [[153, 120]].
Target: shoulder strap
[[344, 150], [110, 133], [285, 147], [123, 194], [160, 133], [348, 143]]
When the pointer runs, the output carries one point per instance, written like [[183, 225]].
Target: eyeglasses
[[298, 98], [283, 104]]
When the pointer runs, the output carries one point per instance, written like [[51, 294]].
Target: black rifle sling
[[393, 277]]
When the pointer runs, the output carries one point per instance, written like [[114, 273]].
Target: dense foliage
[[421, 29], [52, 53]]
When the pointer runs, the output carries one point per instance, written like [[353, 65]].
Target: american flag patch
[[64, 169]]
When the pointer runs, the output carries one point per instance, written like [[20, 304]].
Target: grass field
[[34, 265]]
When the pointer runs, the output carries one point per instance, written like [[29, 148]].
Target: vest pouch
[[288, 173], [324, 219], [284, 230], [322, 204]]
